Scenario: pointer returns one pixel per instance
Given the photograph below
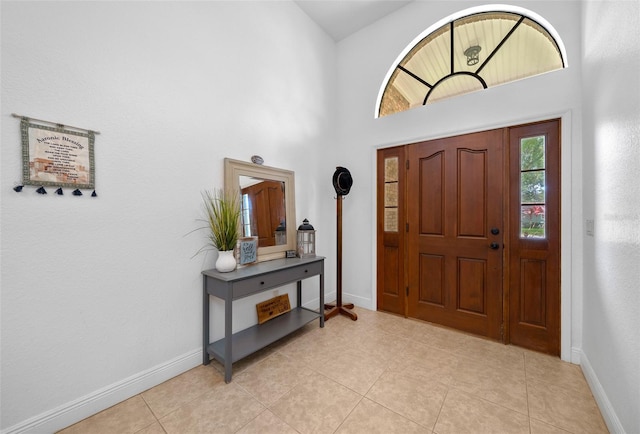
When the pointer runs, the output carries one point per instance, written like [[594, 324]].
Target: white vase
[[226, 261]]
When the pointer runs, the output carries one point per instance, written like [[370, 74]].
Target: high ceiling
[[341, 18], [439, 67]]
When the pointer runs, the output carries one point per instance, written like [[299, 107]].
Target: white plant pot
[[226, 261]]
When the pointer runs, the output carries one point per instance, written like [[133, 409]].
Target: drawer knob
[[261, 283], [306, 271]]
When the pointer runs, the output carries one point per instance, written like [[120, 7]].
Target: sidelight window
[[532, 187], [391, 193]]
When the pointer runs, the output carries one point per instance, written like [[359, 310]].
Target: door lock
[[495, 231], [494, 246]]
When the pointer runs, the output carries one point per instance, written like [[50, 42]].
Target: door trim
[[570, 247]]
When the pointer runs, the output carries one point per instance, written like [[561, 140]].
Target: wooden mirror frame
[[234, 169]]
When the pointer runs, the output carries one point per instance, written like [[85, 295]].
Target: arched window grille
[[470, 53]]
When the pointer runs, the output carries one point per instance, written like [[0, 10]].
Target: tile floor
[[379, 374]]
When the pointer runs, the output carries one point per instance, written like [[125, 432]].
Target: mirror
[[267, 197]]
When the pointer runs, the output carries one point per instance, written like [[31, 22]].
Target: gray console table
[[252, 280]]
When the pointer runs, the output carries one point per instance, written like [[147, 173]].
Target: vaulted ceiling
[[341, 18]]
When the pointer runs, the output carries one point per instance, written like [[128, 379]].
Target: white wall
[[611, 86], [363, 62], [100, 296]]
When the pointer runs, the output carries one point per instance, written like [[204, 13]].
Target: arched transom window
[[470, 53]]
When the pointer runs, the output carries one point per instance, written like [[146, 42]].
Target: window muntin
[[532, 187], [513, 46]]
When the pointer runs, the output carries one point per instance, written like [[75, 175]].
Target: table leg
[[205, 322], [322, 296], [228, 351]]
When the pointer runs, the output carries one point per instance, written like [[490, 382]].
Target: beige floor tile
[[543, 367], [442, 338], [168, 396], [154, 428], [355, 370], [423, 362], [505, 387], [128, 416], [316, 405], [539, 427], [463, 413], [224, 409], [369, 417], [419, 401], [268, 380], [245, 363], [315, 345], [267, 423], [414, 376], [377, 343], [389, 323], [565, 408], [500, 355]]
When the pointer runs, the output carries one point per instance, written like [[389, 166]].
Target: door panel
[[455, 195], [472, 275], [533, 292], [391, 253], [432, 279], [534, 258], [431, 219], [472, 195]]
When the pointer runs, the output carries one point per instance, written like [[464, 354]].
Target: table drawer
[[264, 282]]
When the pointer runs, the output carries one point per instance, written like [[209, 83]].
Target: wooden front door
[[391, 221], [534, 241], [469, 233], [455, 232]]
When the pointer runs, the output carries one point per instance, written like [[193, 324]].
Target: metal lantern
[[306, 240], [281, 234]]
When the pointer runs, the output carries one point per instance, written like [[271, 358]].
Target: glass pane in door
[[532, 187]]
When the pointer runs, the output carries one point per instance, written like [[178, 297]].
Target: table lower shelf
[[254, 338]]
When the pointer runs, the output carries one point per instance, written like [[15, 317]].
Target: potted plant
[[222, 211]]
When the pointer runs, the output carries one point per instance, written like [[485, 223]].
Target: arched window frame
[[462, 14]]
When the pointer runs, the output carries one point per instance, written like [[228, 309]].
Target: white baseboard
[[576, 353], [81, 408], [608, 413], [346, 298], [357, 300], [328, 298]]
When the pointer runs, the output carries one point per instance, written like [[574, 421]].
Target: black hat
[[342, 181]]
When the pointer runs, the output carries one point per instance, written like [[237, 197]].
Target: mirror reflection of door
[[263, 211]]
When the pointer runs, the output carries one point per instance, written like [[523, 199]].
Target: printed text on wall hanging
[[55, 156]]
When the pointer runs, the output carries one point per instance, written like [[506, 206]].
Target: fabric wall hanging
[[57, 156]]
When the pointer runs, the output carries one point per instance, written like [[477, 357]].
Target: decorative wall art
[[57, 156], [247, 250]]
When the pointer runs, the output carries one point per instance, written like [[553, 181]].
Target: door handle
[[494, 246]]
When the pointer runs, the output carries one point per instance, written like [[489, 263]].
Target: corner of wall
[[606, 408]]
